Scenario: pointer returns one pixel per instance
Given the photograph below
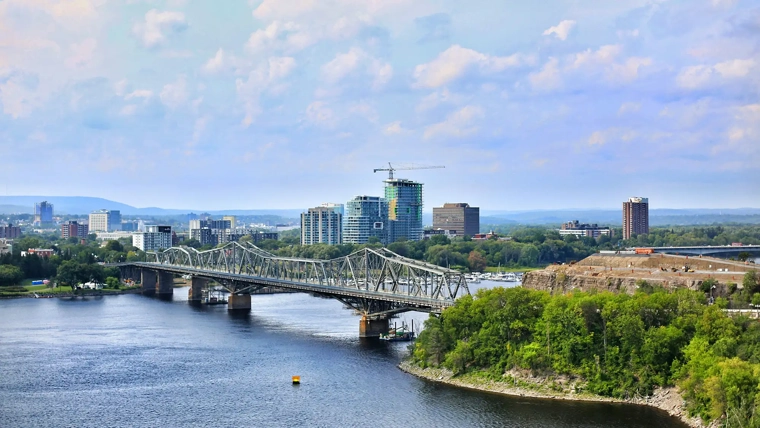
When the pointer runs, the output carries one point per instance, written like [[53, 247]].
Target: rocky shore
[[666, 399]]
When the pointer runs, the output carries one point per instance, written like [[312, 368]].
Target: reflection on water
[[138, 361]]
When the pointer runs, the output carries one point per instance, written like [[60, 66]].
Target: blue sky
[[288, 104]]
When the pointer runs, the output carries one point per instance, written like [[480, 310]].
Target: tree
[[194, 243], [476, 261], [114, 245], [10, 275], [750, 282], [112, 282]]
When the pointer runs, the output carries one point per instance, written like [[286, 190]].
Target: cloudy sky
[[287, 104]]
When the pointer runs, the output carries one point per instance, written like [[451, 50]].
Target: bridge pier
[[165, 283], [195, 293], [239, 302], [372, 327], [148, 281]]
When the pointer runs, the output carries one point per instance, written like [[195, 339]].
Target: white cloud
[[443, 96], [561, 30], [140, 93], [602, 56], [218, 63], [698, 76], [597, 138], [320, 114], [734, 68], [345, 64], [153, 31], [394, 128], [278, 36], [458, 124], [82, 53], [548, 78], [456, 61], [174, 94], [629, 70], [266, 77]]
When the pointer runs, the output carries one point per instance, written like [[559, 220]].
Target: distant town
[[364, 219]]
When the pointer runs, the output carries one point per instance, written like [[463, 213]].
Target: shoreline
[[88, 293], [666, 399]]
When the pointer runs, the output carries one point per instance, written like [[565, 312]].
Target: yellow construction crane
[[390, 169]]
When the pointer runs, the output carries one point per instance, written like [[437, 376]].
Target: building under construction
[[404, 209]]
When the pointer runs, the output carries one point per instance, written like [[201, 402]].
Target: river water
[[135, 361]]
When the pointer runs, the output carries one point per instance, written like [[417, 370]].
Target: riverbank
[[80, 293], [667, 399]]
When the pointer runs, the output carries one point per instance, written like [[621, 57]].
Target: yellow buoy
[[296, 380]]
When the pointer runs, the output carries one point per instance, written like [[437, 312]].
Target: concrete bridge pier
[[239, 302], [195, 293], [148, 281], [372, 327], [165, 283]]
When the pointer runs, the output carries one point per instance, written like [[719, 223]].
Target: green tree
[[112, 282], [10, 275]]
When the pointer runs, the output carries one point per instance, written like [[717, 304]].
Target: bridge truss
[[373, 282]]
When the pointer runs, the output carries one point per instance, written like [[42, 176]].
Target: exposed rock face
[[619, 274]]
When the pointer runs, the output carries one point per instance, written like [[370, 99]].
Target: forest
[[619, 345]]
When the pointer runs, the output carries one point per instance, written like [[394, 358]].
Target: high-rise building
[[338, 208], [635, 217], [10, 232], [105, 221], [211, 232], [43, 213], [74, 229], [366, 217], [321, 225], [153, 239], [460, 217], [404, 209], [231, 219]]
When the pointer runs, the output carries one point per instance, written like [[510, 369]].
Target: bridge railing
[[376, 270]]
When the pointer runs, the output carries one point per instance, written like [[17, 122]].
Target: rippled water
[[136, 361]]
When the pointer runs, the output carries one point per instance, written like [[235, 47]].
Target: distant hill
[[84, 205], [77, 205]]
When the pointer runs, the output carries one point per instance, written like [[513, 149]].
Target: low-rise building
[[40, 252], [74, 229], [582, 229], [113, 236], [429, 233], [6, 246]]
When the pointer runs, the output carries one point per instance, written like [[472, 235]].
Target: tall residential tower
[[321, 225], [404, 209], [635, 217], [366, 217]]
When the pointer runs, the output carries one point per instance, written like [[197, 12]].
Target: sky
[[291, 103]]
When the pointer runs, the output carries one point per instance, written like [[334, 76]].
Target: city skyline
[[528, 109]]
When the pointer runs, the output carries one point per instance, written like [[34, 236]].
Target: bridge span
[[376, 283]]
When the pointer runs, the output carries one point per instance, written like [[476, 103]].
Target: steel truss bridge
[[376, 283]]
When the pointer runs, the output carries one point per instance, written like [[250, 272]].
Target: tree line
[[618, 345]]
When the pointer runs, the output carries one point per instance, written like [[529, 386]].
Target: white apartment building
[[153, 239]]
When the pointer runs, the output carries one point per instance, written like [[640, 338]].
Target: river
[[138, 361]]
